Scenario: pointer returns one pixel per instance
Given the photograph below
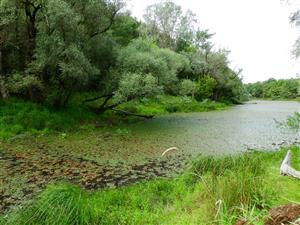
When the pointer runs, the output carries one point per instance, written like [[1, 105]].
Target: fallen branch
[[96, 98], [133, 114], [286, 169]]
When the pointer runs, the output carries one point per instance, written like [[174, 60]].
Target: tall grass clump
[[142, 203], [231, 183], [58, 204]]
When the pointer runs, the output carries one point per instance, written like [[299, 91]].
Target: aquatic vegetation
[[292, 121]]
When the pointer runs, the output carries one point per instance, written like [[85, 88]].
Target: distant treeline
[[275, 89]]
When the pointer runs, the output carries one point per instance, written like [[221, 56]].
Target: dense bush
[[205, 88], [187, 88], [143, 57]]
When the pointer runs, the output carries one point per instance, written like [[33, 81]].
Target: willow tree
[[49, 43], [169, 25], [142, 70]]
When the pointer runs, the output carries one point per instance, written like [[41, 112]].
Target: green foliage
[[215, 79], [52, 49], [18, 117], [275, 89], [205, 87], [133, 85], [125, 29], [143, 56], [24, 85], [187, 87], [169, 26], [68, 57], [171, 104], [56, 46]]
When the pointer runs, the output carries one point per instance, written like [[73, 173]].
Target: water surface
[[251, 125]]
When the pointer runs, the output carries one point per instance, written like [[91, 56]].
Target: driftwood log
[[286, 169], [168, 150]]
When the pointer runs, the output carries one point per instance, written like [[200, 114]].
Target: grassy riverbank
[[211, 191], [19, 117], [171, 104]]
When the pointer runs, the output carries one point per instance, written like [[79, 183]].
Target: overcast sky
[[257, 32]]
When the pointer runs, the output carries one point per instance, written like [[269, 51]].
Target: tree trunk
[[286, 169], [3, 90], [31, 11]]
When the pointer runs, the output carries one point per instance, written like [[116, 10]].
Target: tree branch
[[105, 101], [96, 98], [111, 21], [133, 114]]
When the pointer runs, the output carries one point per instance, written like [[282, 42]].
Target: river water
[[252, 125]]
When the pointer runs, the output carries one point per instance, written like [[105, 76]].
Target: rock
[[284, 215]]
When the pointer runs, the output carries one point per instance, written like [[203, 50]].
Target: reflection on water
[[250, 125]]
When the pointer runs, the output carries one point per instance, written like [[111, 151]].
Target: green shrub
[[205, 87], [187, 87]]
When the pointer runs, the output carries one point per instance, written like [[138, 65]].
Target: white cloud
[[257, 32]]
